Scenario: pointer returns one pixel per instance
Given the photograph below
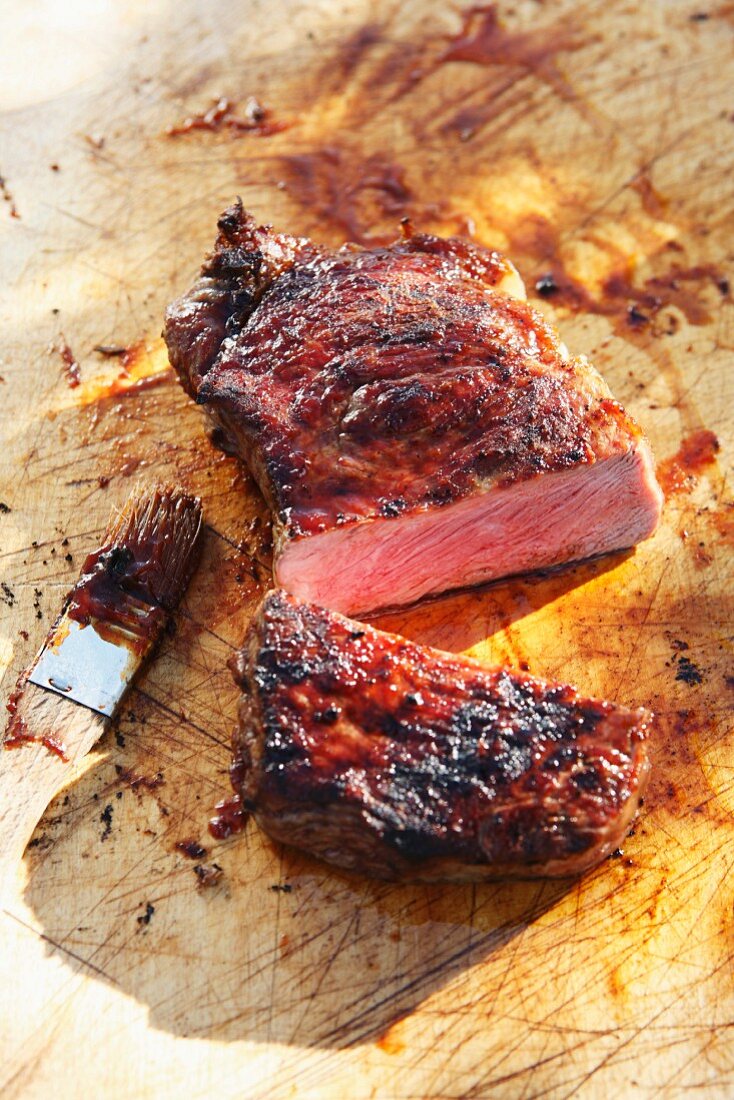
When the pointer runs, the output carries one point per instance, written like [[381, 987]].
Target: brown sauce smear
[[7, 197], [629, 305], [349, 193], [678, 474], [221, 116], [482, 40]]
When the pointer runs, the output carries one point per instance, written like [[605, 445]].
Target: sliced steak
[[404, 762], [413, 424]]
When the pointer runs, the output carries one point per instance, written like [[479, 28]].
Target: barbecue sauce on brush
[[117, 591]]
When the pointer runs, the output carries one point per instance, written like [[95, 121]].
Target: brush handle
[[32, 773]]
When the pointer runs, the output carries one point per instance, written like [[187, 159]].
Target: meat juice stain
[[135, 375], [348, 192], [679, 473], [390, 1042]]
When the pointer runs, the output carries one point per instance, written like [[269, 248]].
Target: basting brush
[[109, 625]]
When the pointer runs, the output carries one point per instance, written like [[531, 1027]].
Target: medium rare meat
[[413, 424], [404, 762]]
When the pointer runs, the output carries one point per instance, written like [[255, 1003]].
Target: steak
[[412, 422], [403, 762]]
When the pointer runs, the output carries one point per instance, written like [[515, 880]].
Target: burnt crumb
[[4, 508], [146, 916], [119, 739], [328, 715], [282, 887], [41, 842], [678, 644], [546, 285], [8, 596], [392, 508], [64, 542], [110, 351], [119, 794], [106, 818], [688, 672], [616, 854], [635, 316], [190, 848], [208, 874], [699, 17], [724, 287], [68, 557]]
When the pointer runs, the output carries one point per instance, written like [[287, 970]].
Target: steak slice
[[404, 762], [413, 424]]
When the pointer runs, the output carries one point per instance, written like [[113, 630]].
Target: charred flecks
[[231, 219], [236, 261]]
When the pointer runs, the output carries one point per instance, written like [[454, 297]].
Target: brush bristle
[[160, 527]]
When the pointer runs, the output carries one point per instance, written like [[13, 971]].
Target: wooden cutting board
[[592, 141]]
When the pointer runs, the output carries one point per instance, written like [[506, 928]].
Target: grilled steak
[[413, 424], [404, 762]]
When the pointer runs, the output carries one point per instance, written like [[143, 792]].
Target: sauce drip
[[231, 818], [678, 473], [255, 119], [71, 367], [19, 735]]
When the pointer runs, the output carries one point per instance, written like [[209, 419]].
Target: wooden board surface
[[593, 141]]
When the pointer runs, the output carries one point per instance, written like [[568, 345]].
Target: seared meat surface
[[404, 762], [413, 424]]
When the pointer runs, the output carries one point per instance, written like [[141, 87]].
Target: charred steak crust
[[378, 754]]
